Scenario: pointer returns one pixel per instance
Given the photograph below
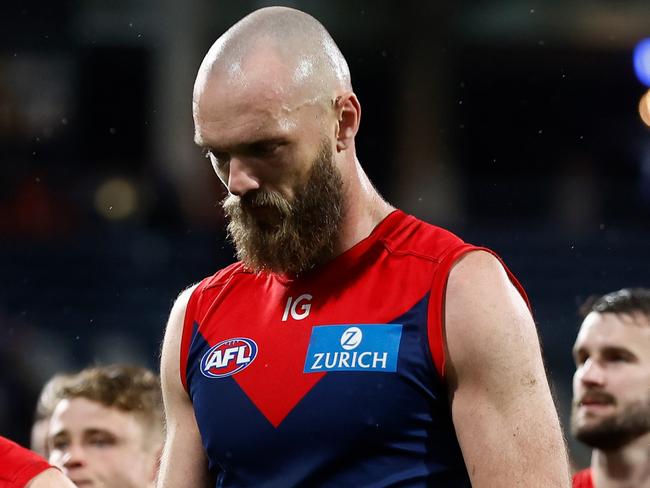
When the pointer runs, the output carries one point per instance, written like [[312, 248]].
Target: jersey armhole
[[19, 464], [190, 325], [583, 479], [436, 312]]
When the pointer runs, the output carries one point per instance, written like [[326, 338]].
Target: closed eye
[[100, 438], [58, 443], [263, 149]]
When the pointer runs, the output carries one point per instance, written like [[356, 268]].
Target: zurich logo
[[351, 338], [357, 347], [228, 357]]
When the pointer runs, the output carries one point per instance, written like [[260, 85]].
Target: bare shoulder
[[50, 478], [495, 373], [170, 355], [177, 314], [183, 462], [484, 311], [180, 305], [479, 280]]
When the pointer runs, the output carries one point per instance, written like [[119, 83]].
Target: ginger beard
[[303, 232], [613, 431]]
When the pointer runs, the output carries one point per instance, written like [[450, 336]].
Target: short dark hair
[[625, 301]]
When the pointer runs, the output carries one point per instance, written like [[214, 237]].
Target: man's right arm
[[183, 460]]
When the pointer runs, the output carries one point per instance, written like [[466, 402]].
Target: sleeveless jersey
[[18, 465], [583, 479], [334, 378]]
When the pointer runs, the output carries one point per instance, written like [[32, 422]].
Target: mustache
[[598, 396], [256, 199]]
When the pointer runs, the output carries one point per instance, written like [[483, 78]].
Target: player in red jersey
[[22, 468], [253, 361], [611, 390]]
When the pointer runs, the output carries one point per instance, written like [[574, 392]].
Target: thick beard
[[307, 228], [616, 431]]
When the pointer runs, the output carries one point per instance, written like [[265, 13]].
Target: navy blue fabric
[[353, 429]]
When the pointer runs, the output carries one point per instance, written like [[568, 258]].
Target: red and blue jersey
[[333, 378]]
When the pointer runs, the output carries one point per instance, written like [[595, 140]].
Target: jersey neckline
[[347, 259]]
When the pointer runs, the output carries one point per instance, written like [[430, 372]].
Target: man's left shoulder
[[419, 238]]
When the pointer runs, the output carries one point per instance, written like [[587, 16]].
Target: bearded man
[[351, 344], [611, 390]]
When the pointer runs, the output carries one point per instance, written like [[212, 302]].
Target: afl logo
[[228, 357]]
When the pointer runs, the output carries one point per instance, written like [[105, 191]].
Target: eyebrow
[[90, 431], [248, 144], [97, 430], [606, 350], [619, 350]]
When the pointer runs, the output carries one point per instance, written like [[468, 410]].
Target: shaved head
[[275, 114], [282, 51]]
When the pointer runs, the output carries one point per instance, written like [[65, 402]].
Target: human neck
[[364, 208], [628, 467]]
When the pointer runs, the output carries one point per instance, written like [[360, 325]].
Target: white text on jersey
[[292, 307]]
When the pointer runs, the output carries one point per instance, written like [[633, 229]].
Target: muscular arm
[[502, 408], [183, 461]]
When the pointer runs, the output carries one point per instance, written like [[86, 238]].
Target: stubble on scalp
[[312, 62], [307, 227]]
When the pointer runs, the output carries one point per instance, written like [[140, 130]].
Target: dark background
[[513, 123]]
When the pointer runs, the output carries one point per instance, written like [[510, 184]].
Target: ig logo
[[292, 307]]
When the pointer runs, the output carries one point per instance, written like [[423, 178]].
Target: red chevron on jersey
[[274, 382], [333, 378]]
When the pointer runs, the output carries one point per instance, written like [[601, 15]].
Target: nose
[[241, 178], [73, 458], [591, 373]]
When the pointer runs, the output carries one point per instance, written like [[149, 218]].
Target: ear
[[348, 113]]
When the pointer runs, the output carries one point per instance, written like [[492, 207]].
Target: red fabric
[[18, 465], [401, 235], [188, 327], [436, 304], [393, 279], [583, 479]]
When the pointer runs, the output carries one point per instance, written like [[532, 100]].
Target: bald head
[[280, 51]]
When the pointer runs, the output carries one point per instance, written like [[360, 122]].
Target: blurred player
[[106, 430], [611, 390], [21, 468], [352, 345], [44, 407]]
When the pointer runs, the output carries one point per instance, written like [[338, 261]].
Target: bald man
[[351, 344]]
